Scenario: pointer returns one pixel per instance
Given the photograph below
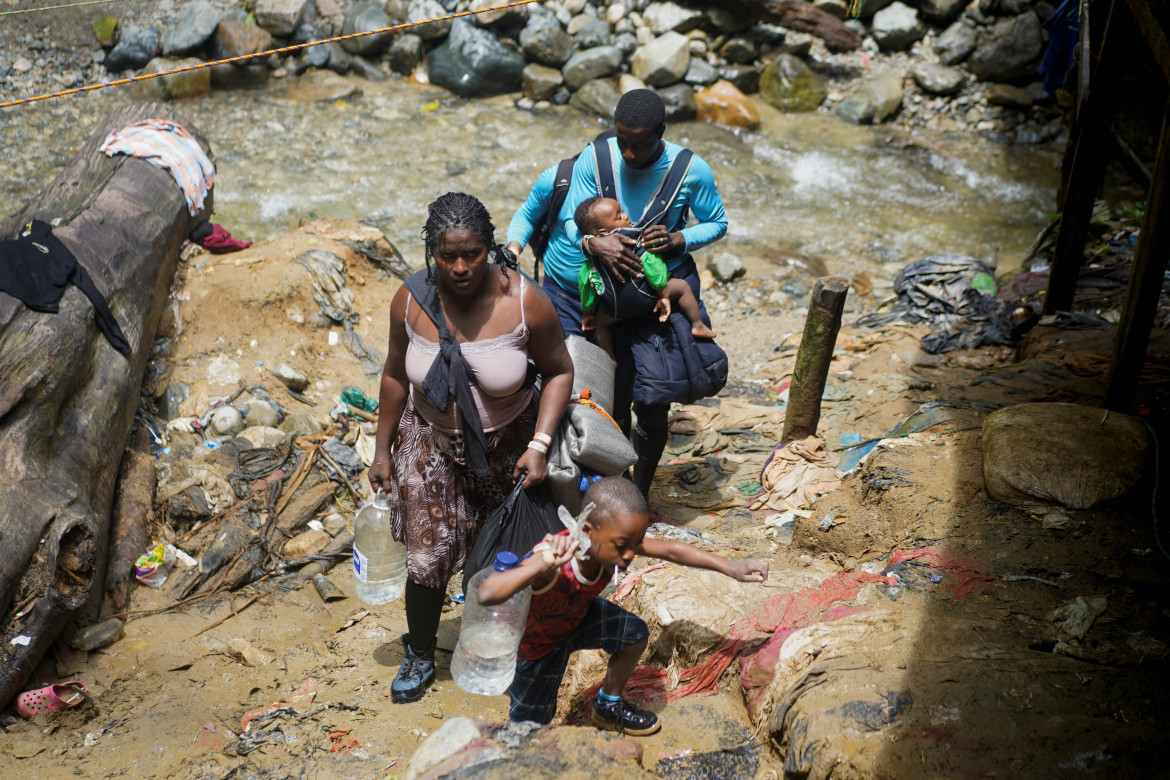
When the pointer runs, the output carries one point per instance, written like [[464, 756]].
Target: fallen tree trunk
[[800, 16], [128, 535], [67, 398]]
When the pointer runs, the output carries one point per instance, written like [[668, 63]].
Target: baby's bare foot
[[701, 331]]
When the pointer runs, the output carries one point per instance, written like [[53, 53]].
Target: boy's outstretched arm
[[537, 570], [749, 570]]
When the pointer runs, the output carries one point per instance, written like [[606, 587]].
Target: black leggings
[[424, 609]]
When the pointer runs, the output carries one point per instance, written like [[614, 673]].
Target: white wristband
[[542, 437], [539, 446]]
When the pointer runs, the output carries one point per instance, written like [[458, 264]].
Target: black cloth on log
[[36, 267], [450, 376]]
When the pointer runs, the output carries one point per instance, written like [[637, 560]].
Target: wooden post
[[1083, 169], [1145, 285], [813, 357]]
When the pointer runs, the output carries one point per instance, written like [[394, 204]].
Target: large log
[[800, 16], [67, 398]]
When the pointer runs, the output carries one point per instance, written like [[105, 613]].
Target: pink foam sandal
[[51, 698]]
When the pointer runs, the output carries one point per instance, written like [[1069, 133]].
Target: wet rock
[[279, 17], [168, 403], [615, 13], [1010, 50], [405, 53], [746, 78], [540, 82], [306, 33], [875, 101], [937, 79], [544, 41], [242, 76], [680, 102], [723, 104], [871, 7], [501, 18], [598, 97], [312, 57], [837, 8], [1008, 96], [591, 64], [955, 43], [626, 43], [790, 85], [190, 29], [453, 736], [301, 424], [339, 59], [739, 51], [226, 421], [136, 46], [700, 73], [941, 12], [334, 523], [250, 654], [235, 39], [662, 61], [727, 21], [305, 543], [364, 17], [726, 267], [192, 83], [897, 27], [420, 11], [668, 17], [260, 413], [366, 69], [594, 32], [290, 377], [627, 82], [473, 63], [263, 437]]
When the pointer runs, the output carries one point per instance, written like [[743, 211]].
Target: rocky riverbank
[[949, 66]]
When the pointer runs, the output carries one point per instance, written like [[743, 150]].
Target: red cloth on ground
[[970, 575], [220, 242]]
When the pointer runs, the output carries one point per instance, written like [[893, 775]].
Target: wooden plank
[[1154, 30], [1145, 285], [1084, 164]]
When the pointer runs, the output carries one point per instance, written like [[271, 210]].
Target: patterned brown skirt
[[441, 502]]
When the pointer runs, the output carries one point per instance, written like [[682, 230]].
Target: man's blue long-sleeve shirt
[[563, 258]]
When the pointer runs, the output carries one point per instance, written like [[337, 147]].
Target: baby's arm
[[537, 570], [749, 570]]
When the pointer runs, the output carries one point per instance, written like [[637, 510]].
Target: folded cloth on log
[[36, 267], [796, 474], [171, 148]]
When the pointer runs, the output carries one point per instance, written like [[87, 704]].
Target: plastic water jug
[[485, 657], [379, 562]]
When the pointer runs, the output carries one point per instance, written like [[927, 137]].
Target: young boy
[[606, 299], [567, 614]]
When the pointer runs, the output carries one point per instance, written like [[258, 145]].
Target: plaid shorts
[[606, 627]]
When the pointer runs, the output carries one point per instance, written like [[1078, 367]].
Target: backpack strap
[[560, 191], [603, 166], [450, 376], [668, 189]]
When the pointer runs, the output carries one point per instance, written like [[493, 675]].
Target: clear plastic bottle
[[379, 562], [97, 635], [485, 657]]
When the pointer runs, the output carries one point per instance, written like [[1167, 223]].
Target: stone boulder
[[1009, 51], [1009, 96], [955, 43], [242, 76], [598, 97], [235, 39], [937, 79], [679, 100], [727, 21], [726, 267], [723, 104], [875, 101], [594, 32], [739, 51], [501, 18], [838, 8], [472, 63], [790, 85], [189, 29], [280, 17], [897, 27], [420, 11], [745, 77], [191, 83], [591, 64], [871, 7], [405, 53], [941, 12], [663, 60], [543, 40], [700, 72], [540, 82], [669, 17], [365, 17], [136, 46]]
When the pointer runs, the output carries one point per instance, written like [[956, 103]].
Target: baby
[[605, 299]]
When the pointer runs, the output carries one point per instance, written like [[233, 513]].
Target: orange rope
[[586, 400], [245, 57]]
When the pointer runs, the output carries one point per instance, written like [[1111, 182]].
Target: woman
[[457, 403]]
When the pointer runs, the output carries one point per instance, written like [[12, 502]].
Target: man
[[640, 160]]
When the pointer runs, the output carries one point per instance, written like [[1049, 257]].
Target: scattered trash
[[22, 640], [153, 568], [353, 620], [97, 635], [827, 522], [1077, 616], [326, 589], [51, 698], [249, 653], [936, 578], [356, 398]]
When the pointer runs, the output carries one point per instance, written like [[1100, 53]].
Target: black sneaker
[[414, 675], [624, 718]]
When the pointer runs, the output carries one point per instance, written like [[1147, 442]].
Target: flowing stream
[[806, 185]]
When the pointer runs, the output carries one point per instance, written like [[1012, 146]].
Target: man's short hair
[[614, 494], [640, 108], [585, 217]]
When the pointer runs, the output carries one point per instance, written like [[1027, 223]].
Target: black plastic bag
[[518, 525]]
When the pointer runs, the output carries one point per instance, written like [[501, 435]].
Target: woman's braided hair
[[460, 211]]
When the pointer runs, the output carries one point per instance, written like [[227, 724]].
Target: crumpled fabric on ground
[[170, 147], [216, 488], [937, 290], [968, 575], [796, 474]]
